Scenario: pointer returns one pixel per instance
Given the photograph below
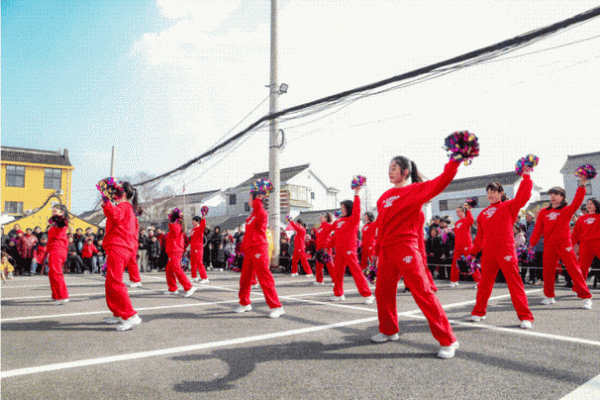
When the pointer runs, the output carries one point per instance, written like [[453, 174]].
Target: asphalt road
[[194, 348]]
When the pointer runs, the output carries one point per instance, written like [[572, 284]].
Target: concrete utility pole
[[274, 176], [112, 162]]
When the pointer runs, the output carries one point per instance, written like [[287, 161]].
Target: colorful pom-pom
[[337, 213], [204, 210], [110, 189], [288, 218], [358, 181], [529, 161], [371, 271], [586, 170], [175, 215], [261, 186], [138, 211], [472, 202], [472, 263], [462, 146]]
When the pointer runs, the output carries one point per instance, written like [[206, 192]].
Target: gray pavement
[[190, 348]]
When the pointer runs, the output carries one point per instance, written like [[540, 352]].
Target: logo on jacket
[[257, 255], [339, 224], [390, 201], [249, 220], [590, 221], [553, 215], [489, 212], [568, 249], [407, 259], [508, 258], [458, 225]]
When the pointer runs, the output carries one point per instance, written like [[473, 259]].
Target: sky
[[164, 80]]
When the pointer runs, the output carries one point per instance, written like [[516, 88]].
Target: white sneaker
[[526, 324], [587, 304], [59, 302], [129, 323], [195, 280], [203, 281], [188, 293], [370, 299], [242, 308], [276, 312], [453, 284], [169, 292], [296, 274], [135, 284], [338, 298], [476, 318], [447, 351], [318, 283], [547, 301], [309, 276], [382, 338], [113, 320], [254, 286]]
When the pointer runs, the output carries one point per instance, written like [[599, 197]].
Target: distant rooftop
[[35, 156], [576, 160], [477, 182], [285, 175]]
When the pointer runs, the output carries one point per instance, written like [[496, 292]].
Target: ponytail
[[132, 195], [406, 164]]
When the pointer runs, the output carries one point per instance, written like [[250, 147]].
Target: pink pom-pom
[[204, 210], [586, 170], [462, 145], [358, 181], [288, 218], [529, 161]]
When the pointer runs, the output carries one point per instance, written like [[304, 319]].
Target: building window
[[443, 205], [312, 195], [232, 199], [13, 207], [52, 178], [246, 207], [15, 176]]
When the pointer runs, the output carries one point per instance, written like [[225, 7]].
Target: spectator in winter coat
[[153, 250], [40, 256], [87, 254], [25, 244]]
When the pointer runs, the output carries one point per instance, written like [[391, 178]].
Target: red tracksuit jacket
[[323, 235], [345, 230], [462, 231], [299, 242], [587, 229], [57, 239], [88, 251], [256, 227], [174, 242], [368, 235], [121, 226], [197, 237]]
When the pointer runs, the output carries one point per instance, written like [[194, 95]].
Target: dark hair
[[349, 204], [596, 203], [197, 219], [463, 208], [497, 187], [561, 192], [132, 195], [64, 210], [370, 216], [434, 228], [405, 164], [217, 227], [328, 217]]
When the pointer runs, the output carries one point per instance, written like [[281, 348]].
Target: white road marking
[[588, 391]]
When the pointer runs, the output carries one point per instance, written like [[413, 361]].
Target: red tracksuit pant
[[367, 252], [256, 261], [507, 262], [300, 255], [403, 260], [134, 270], [554, 251], [587, 251], [196, 255], [117, 297], [340, 261], [56, 261], [175, 273], [454, 270], [319, 270]]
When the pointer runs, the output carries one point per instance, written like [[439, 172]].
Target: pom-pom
[[175, 215], [528, 161], [57, 220], [337, 213], [586, 170], [204, 211], [472, 263], [323, 256], [110, 189], [138, 211], [462, 146], [524, 255], [472, 202], [371, 271], [288, 218], [358, 181], [261, 186]]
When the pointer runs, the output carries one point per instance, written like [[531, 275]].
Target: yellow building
[[30, 177]]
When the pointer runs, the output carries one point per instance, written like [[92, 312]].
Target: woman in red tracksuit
[[323, 233], [587, 234], [256, 253], [197, 250], [400, 249], [462, 240], [300, 249], [57, 253], [496, 241], [174, 246], [368, 239], [553, 224], [344, 241], [120, 244]]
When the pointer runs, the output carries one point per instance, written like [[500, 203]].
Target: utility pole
[[274, 176], [112, 163]]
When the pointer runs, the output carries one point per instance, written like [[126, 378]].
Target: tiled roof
[[478, 182], [34, 156], [579, 159], [312, 218], [285, 175]]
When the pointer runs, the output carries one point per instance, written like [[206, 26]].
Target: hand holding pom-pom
[[463, 146], [204, 211], [472, 202], [358, 181], [586, 171], [175, 215], [261, 187], [530, 161], [288, 218]]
